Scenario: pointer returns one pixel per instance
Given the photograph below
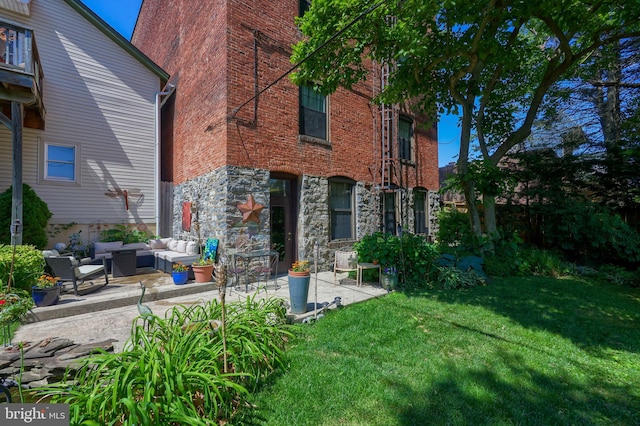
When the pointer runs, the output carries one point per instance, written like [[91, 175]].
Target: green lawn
[[528, 351]]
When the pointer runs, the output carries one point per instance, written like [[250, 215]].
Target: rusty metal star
[[250, 210]]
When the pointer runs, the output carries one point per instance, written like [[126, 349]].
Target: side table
[[123, 262], [365, 265]]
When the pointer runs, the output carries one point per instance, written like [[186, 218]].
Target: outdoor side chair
[[69, 269], [345, 261]]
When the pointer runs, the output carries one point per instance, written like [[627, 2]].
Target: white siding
[[96, 96]]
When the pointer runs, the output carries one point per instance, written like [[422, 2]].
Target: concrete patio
[[108, 312]]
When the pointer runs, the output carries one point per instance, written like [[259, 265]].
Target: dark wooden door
[[283, 219]]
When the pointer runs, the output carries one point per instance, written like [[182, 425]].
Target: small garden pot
[[202, 273], [180, 278], [46, 296], [299, 291]]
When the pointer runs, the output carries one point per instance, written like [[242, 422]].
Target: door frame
[[290, 204]]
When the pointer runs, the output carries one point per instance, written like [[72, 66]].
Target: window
[[420, 211], [60, 163], [405, 137], [341, 209], [12, 42], [304, 6], [313, 116], [389, 208]]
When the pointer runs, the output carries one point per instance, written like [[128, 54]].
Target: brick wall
[[218, 55]]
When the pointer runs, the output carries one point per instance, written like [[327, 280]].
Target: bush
[[451, 277], [125, 234], [454, 230], [35, 218], [412, 256], [28, 266], [588, 233], [173, 372]]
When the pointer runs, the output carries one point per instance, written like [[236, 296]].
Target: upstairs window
[[304, 5], [313, 113], [405, 138], [60, 163], [12, 46], [341, 209]]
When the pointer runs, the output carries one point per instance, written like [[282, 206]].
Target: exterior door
[[283, 191]]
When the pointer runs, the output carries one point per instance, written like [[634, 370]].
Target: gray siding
[[99, 98]]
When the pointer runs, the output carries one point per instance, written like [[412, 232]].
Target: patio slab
[[109, 312]]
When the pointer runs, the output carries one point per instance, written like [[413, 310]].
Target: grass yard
[[526, 351]]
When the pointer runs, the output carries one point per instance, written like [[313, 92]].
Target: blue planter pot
[[298, 292], [46, 296], [180, 278]]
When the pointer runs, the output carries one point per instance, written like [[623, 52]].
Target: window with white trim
[[60, 162], [341, 208]]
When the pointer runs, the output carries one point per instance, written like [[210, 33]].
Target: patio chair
[[345, 261], [69, 269]]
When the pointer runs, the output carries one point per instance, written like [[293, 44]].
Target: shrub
[[35, 214], [28, 266], [589, 233], [411, 255], [454, 230], [125, 234], [451, 277], [173, 373]]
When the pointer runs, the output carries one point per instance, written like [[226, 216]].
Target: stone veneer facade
[[217, 194]]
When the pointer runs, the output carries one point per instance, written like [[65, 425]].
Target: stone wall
[[217, 194]]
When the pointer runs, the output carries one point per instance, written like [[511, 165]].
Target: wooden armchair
[[69, 269]]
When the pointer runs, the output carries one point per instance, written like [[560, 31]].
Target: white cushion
[[101, 247], [157, 244], [138, 246], [192, 248], [172, 244], [181, 247]]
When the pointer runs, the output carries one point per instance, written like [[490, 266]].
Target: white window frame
[[46, 161]]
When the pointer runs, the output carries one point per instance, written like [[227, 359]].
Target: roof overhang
[[22, 7]]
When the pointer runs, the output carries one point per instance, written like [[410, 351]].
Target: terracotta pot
[[202, 273]]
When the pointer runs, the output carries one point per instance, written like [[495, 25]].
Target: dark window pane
[[340, 206], [313, 117], [420, 212], [404, 138], [314, 123]]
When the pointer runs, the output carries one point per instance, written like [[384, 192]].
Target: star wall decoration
[[250, 210]]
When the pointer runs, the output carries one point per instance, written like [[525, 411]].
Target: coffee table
[[123, 262]]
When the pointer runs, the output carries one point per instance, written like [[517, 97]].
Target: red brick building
[[326, 169]]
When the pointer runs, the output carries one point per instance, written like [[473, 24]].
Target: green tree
[[493, 62], [36, 215]]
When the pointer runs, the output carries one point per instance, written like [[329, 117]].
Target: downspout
[[169, 88]]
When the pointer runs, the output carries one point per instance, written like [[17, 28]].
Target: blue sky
[[122, 15]]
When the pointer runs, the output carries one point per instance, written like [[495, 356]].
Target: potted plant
[[46, 292], [299, 278], [389, 278], [202, 270], [180, 273]]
